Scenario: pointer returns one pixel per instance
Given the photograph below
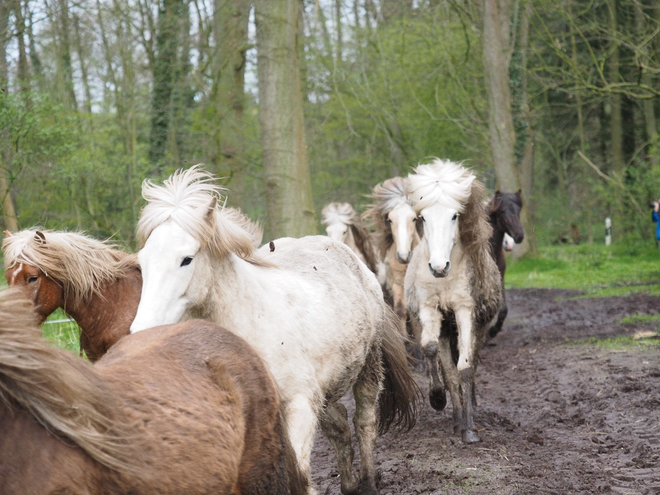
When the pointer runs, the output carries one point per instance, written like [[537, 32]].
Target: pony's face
[[402, 221], [172, 280], [43, 291], [338, 231], [508, 206], [440, 230]]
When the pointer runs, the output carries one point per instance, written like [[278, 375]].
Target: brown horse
[[98, 285], [504, 217], [186, 408]]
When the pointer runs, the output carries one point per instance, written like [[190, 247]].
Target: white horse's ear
[[7, 233], [210, 209]]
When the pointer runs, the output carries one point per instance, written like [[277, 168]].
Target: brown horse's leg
[[334, 423], [366, 391]]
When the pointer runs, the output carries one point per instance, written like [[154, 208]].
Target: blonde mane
[[81, 264], [387, 195], [346, 214], [61, 391], [440, 181], [455, 186], [191, 199]]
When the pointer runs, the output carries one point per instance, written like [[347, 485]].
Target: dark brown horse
[[504, 217], [180, 409], [98, 285]]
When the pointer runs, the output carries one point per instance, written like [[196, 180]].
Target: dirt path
[[556, 416]]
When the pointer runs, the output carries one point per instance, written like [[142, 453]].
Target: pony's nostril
[[447, 267]]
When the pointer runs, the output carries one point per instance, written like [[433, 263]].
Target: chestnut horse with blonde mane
[[452, 284], [95, 283], [181, 409], [312, 310]]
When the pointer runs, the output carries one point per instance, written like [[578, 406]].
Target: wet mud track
[[557, 413]]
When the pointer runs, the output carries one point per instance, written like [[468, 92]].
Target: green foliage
[[64, 334]]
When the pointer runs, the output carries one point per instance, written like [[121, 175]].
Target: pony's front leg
[[366, 390], [467, 355], [301, 423], [431, 321], [333, 420]]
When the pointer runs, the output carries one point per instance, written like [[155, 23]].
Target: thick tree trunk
[[288, 183], [496, 65], [23, 68], [230, 29], [167, 44], [648, 105], [65, 56]]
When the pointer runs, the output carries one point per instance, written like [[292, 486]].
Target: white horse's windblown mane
[[339, 213], [188, 197], [441, 181]]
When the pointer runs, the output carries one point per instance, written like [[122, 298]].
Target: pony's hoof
[[438, 399], [367, 488], [471, 436]]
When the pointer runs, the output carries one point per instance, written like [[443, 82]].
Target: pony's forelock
[[339, 213], [192, 200], [440, 182], [80, 263]]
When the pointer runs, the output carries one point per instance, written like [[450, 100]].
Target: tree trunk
[[230, 29], [23, 68], [648, 105], [65, 56], [496, 65], [288, 183], [8, 211], [167, 43], [616, 125]]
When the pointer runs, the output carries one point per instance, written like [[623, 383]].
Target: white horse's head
[[338, 218], [403, 222], [439, 192], [182, 229]]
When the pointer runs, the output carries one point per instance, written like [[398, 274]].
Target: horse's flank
[[81, 264]]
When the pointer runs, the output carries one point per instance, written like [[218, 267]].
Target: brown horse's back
[[199, 414], [195, 380]]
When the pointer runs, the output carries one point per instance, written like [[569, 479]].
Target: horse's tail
[[400, 395], [60, 390]]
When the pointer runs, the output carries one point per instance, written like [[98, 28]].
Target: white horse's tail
[[398, 399]]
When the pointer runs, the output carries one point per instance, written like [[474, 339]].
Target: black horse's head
[[505, 214]]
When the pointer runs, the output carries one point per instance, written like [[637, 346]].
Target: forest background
[[297, 103]]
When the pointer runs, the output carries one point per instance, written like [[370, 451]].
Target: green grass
[[597, 271], [65, 334], [639, 319]]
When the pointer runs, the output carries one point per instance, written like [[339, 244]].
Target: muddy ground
[[556, 415]]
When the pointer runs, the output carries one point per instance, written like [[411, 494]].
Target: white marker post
[[608, 231]]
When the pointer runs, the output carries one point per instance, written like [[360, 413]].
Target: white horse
[[343, 224], [310, 308], [452, 284], [396, 235]]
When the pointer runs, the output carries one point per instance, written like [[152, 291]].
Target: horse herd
[[214, 359]]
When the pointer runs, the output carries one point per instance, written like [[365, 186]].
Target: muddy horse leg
[[431, 321], [452, 382], [334, 423], [467, 355], [414, 348], [501, 316], [366, 390]]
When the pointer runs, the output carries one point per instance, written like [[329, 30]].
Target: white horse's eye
[[455, 216], [186, 261], [388, 220], [415, 220]]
